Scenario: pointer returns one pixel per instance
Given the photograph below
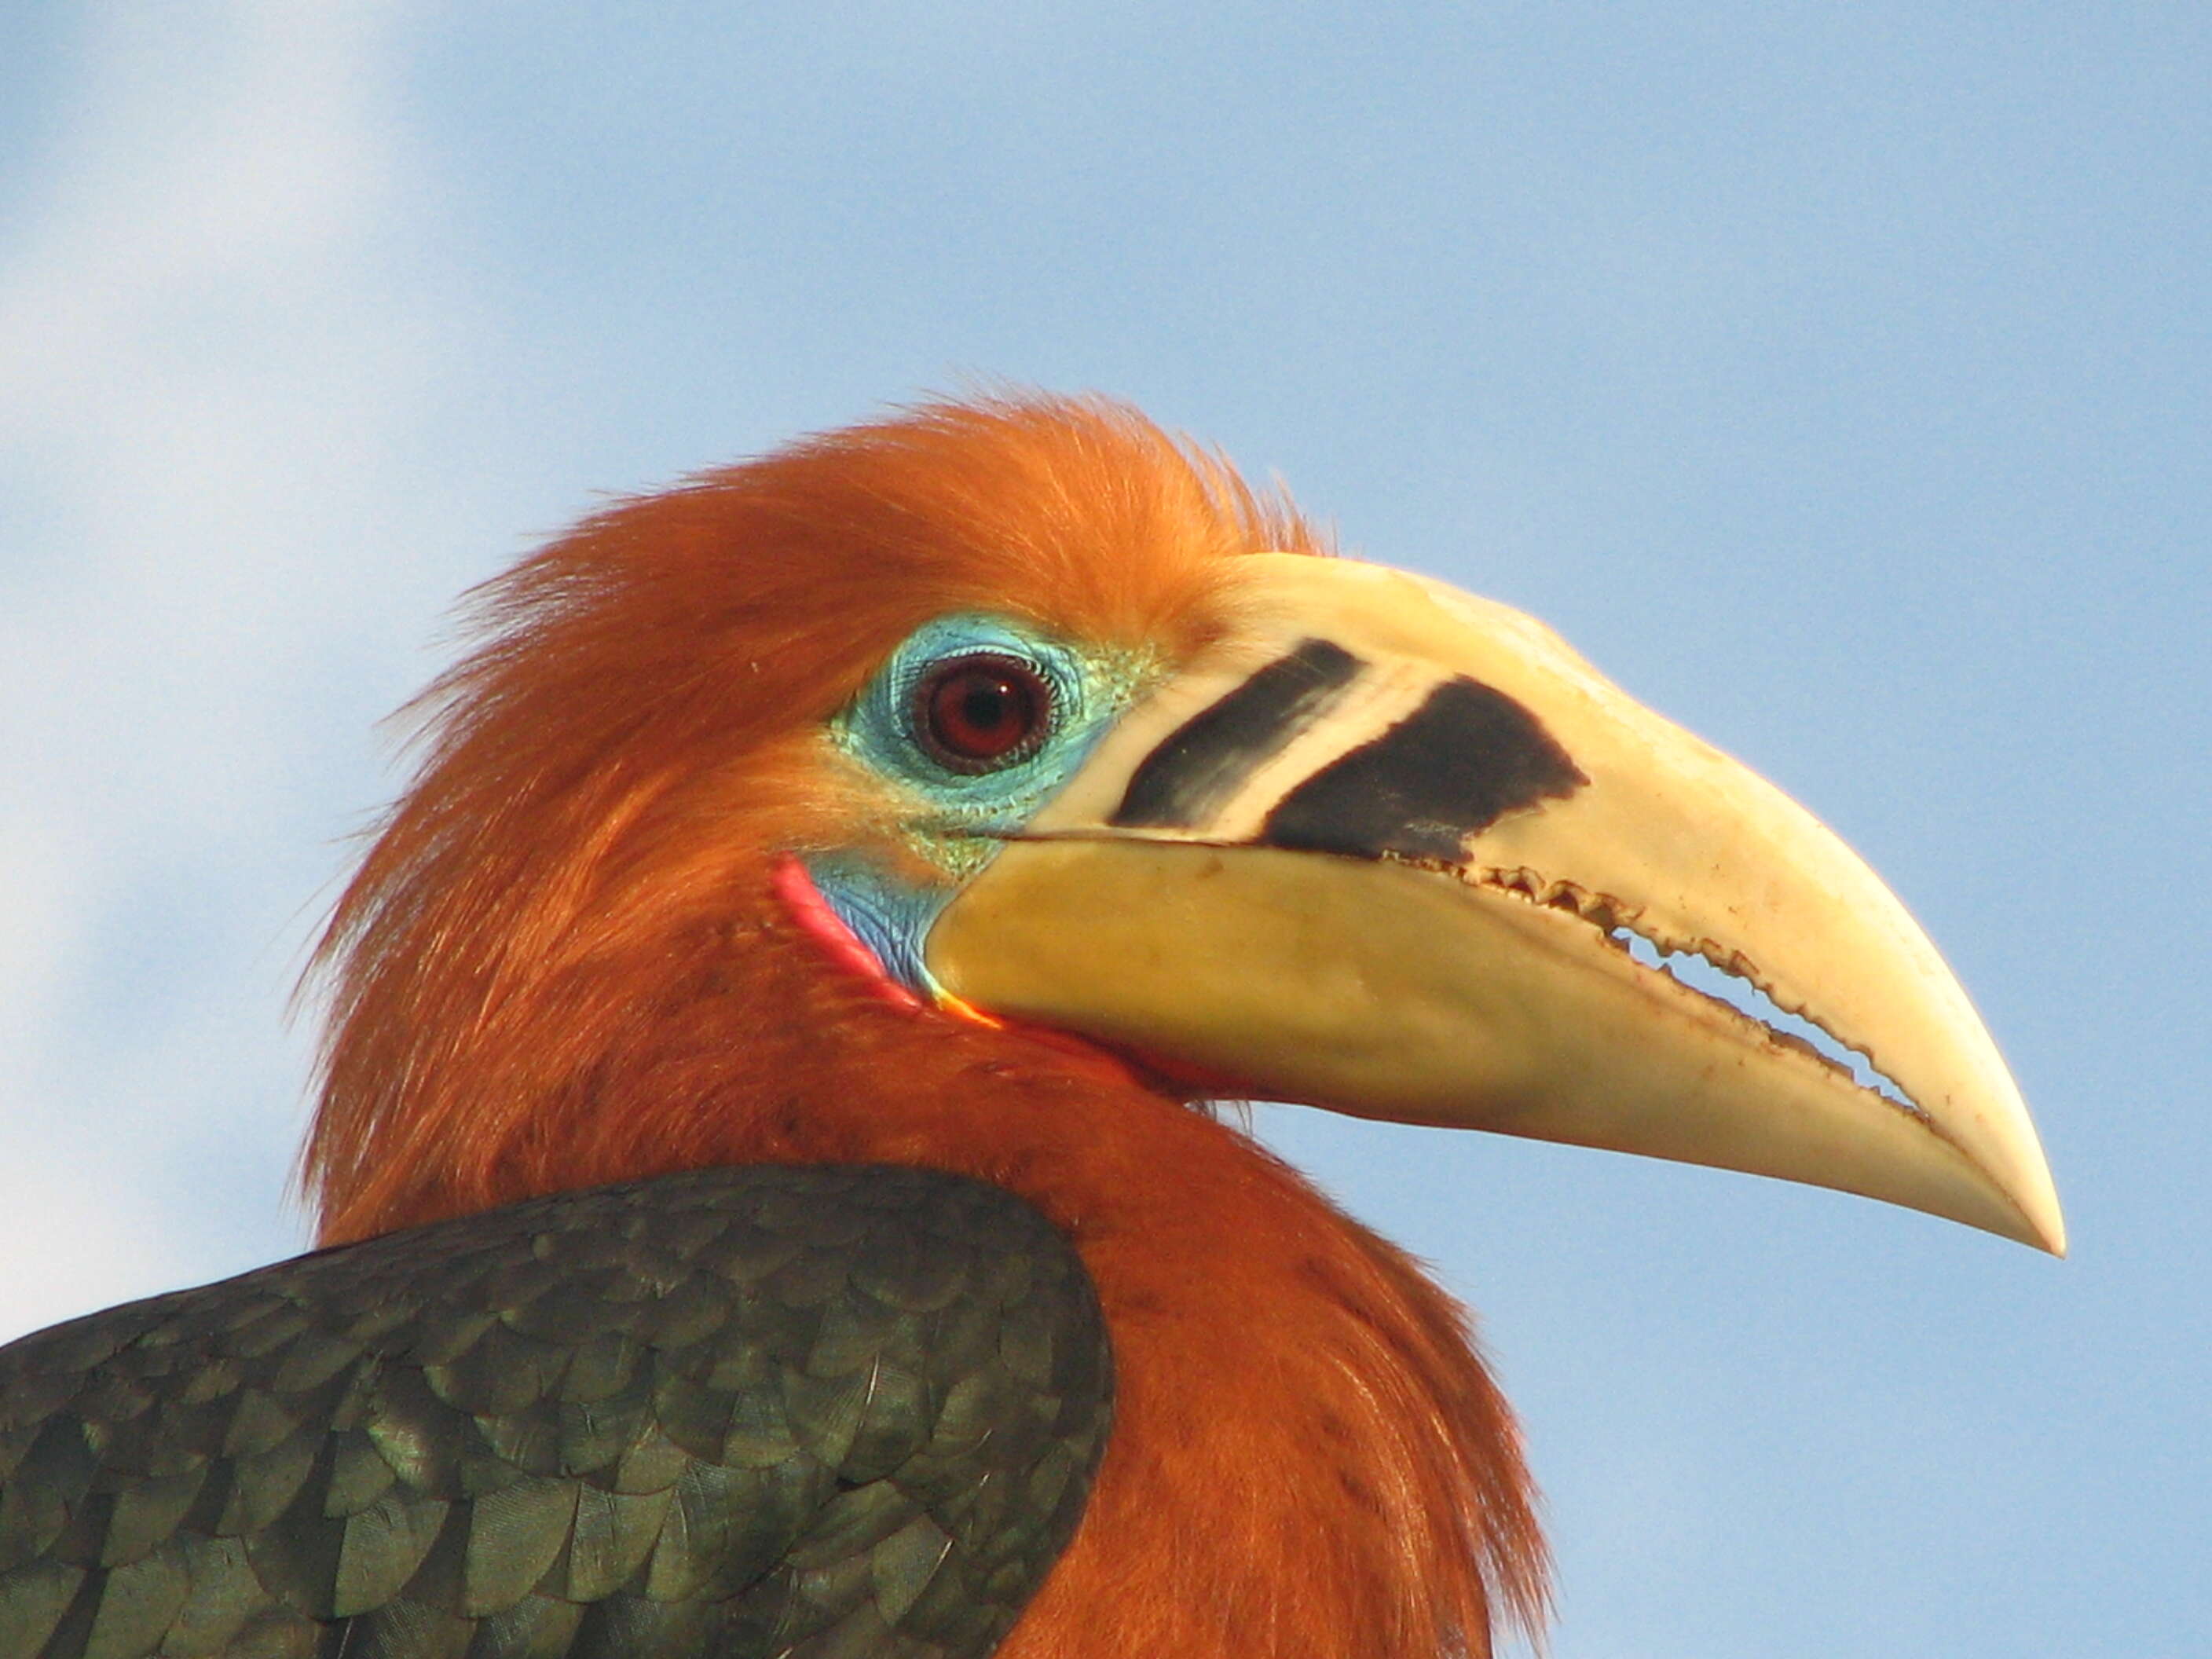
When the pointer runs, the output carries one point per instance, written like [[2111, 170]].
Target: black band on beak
[[1191, 776], [1374, 773], [1457, 764]]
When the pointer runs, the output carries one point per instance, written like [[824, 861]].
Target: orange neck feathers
[[564, 962]]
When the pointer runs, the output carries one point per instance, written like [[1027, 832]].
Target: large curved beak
[[1397, 851]]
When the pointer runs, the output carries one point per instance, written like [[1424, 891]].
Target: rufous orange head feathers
[[606, 775]]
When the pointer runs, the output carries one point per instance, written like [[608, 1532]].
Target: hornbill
[[769, 1199]]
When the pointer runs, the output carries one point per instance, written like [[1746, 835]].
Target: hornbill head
[[1039, 722]]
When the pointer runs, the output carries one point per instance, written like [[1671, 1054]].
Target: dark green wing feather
[[813, 1412]]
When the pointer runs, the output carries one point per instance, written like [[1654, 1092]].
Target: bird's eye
[[982, 712]]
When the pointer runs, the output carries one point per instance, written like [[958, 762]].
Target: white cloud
[[220, 337]]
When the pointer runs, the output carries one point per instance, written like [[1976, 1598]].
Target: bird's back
[[737, 1412]]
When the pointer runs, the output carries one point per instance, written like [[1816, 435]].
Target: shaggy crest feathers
[[561, 963]]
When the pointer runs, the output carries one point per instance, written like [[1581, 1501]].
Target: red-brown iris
[[981, 712]]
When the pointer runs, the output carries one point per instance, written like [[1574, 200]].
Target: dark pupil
[[988, 705], [981, 713]]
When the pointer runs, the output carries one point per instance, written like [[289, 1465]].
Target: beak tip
[[2040, 1221]]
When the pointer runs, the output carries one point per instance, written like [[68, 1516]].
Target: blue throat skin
[[953, 822], [891, 917]]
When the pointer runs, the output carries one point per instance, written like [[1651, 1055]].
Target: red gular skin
[[565, 961]]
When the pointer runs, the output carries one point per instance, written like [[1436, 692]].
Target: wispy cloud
[[221, 340]]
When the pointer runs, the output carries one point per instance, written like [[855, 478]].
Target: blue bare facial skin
[[952, 814]]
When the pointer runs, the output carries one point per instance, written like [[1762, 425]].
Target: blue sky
[[1835, 377]]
